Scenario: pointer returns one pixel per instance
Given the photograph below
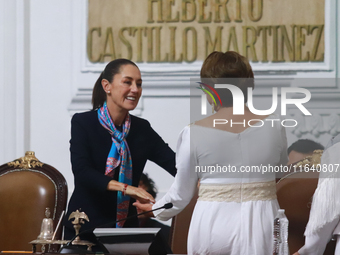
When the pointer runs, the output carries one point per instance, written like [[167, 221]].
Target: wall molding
[[14, 86]]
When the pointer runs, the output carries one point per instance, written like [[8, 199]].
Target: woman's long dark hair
[[111, 69]]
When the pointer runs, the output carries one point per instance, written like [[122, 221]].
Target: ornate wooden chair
[[27, 188], [180, 228], [294, 193]]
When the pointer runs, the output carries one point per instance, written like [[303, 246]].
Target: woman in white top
[[235, 210], [324, 218]]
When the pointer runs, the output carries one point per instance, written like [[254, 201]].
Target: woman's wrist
[[116, 186], [124, 189]]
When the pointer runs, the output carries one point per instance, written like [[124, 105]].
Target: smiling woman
[[109, 149], [123, 91]]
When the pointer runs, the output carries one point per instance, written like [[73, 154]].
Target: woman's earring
[[108, 92]]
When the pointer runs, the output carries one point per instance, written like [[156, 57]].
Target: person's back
[[237, 199], [251, 154], [228, 153]]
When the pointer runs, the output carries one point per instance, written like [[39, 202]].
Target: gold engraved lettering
[[219, 5], [125, 41], [316, 43], [169, 14], [148, 32], [275, 44], [289, 44], [89, 44], [109, 42], [251, 44], [232, 40], [201, 16], [301, 41], [185, 11], [238, 11], [158, 46], [150, 11], [251, 10], [185, 44], [139, 31], [211, 46], [264, 30], [172, 56]]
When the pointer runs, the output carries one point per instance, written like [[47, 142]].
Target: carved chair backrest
[[27, 187]]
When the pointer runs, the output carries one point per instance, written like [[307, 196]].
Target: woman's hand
[[134, 192], [296, 253], [139, 194], [144, 208]]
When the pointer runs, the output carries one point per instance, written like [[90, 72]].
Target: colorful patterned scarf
[[118, 155]]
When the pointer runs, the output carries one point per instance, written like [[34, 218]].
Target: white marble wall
[[13, 84]]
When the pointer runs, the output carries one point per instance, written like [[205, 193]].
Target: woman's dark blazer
[[90, 145]]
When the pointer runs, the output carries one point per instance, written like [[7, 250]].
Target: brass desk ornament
[[46, 231], [46, 236], [79, 218], [72, 245]]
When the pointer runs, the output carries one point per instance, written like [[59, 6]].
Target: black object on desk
[[144, 241]]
